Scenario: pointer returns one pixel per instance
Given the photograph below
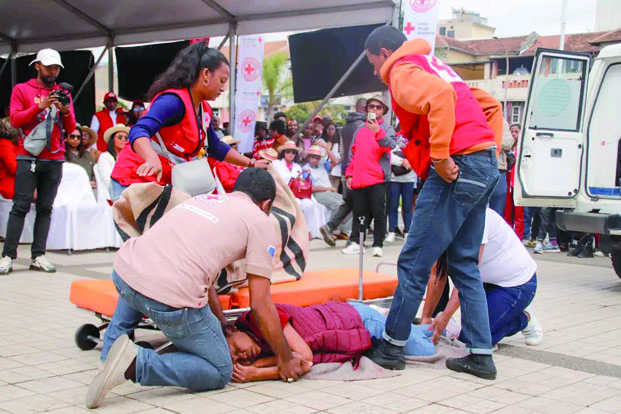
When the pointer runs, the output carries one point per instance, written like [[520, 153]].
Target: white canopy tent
[[30, 25]]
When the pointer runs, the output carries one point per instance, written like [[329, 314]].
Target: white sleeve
[[106, 164], [95, 124], [486, 227]]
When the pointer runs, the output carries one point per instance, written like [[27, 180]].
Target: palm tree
[[275, 80]]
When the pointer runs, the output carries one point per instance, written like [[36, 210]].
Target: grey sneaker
[[121, 355], [6, 265], [42, 265]]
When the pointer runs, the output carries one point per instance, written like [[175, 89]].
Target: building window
[[515, 114], [451, 33], [442, 31]]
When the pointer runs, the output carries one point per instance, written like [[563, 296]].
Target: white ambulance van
[[569, 153]]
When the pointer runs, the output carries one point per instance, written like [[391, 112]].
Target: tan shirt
[[177, 260]]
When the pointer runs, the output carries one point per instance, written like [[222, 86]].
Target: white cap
[[48, 57]]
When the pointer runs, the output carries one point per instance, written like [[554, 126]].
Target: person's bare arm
[[435, 287], [214, 305], [438, 325], [266, 316]]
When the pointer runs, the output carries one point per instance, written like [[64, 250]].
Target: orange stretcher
[[315, 287]]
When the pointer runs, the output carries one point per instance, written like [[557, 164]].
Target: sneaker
[[387, 356], [377, 252], [341, 236], [526, 242], [538, 247], [326, 232], [6, 265], [599, 253], [353, 248], [551, 248], [121, 355], [390, 237], [533, 333], [42, 265], [481, 366]]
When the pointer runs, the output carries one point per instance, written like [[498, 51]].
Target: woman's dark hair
[[281, 155], [386, 37], [279, 115], [324, 134], [7, 131], [111, 148], [256, 183], [278, 126], [516, 125], [81, 148], [442, 266], [185, 68]]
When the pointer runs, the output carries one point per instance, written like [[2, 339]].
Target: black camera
[[63, 94]]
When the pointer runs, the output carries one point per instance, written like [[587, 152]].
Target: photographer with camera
[[43, 110]]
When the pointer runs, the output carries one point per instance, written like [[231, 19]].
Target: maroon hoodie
[[25, 114]]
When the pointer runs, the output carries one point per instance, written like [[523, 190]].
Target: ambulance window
[[556, 102]]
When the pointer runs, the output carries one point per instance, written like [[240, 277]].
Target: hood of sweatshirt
[[410, 47], [355, 116]]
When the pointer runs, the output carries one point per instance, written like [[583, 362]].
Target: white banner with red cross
[[248, 92], [419, 20]]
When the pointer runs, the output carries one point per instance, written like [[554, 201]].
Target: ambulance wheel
[[82, 335], [144, 344], [615, 257]]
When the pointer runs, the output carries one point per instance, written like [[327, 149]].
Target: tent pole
[[233, 78], [331, 93], [223, 42], [6, 62], [91, 73], [13, 69], [111, 66]]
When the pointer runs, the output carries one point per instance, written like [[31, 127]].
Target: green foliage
[[275, 80], [300, 112]]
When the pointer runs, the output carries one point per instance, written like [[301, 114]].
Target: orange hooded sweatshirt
[[438, 112]]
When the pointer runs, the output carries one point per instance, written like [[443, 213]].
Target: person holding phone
[[368, 172]]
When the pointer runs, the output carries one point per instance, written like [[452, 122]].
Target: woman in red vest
[[180, 114], [8, 157]]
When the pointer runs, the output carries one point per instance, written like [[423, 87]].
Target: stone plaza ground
[[576, 368]]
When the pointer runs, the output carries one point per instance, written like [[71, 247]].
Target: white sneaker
[[121, 355], [533, 333], [390, 238], [6, 265], [42, 265], [353, 248], [538, 247], [377, 252]]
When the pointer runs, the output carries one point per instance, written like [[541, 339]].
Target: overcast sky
[[520, 17]]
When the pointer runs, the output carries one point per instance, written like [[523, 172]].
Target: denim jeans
[[418, 344], [548, 223], [506, 308], [45, 179], [203, 361], [451, 217], [405, 192], [499, 196], [116, 189]]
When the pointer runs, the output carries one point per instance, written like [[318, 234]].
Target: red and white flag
[[419, 20]]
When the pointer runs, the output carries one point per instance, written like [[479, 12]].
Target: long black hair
[[81, 148], [185, 68], [111, 148]]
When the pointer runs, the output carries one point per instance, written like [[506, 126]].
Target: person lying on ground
[[510, 282], [330, 332]]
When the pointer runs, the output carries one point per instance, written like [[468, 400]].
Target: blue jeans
[[499, 197], [418, 344], [506, 308], [203, 361], [405, 191], [451, 217], [116, 189]]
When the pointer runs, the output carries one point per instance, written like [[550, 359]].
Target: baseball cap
[[110, 95], [317, 118], [48, 57]]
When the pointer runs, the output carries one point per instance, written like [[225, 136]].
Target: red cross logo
[[408, 28], [251, 69], [422, 6], [246, 121], [260, 39]]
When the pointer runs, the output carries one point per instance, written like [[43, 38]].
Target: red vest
[[184, 139], [470, 123], [105, 122]]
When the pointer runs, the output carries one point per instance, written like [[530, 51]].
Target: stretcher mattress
[[318, 286]]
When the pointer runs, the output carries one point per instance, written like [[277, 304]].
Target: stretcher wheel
[[144, 344], [83, 337]]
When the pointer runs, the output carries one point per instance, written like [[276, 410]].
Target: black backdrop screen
[[77, 65], [320, 58], [138, 66]]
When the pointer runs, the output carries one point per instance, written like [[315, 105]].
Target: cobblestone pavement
[[577, 367]]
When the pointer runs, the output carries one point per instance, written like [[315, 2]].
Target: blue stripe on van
[[604, 191]]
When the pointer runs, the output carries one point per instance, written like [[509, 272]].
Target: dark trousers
[[45, 179], [370, 202], [340, 215]]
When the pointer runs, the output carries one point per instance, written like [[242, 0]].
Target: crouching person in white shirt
[[510, 282], [323, 191]]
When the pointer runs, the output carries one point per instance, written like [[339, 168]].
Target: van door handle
[[545, 134]]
